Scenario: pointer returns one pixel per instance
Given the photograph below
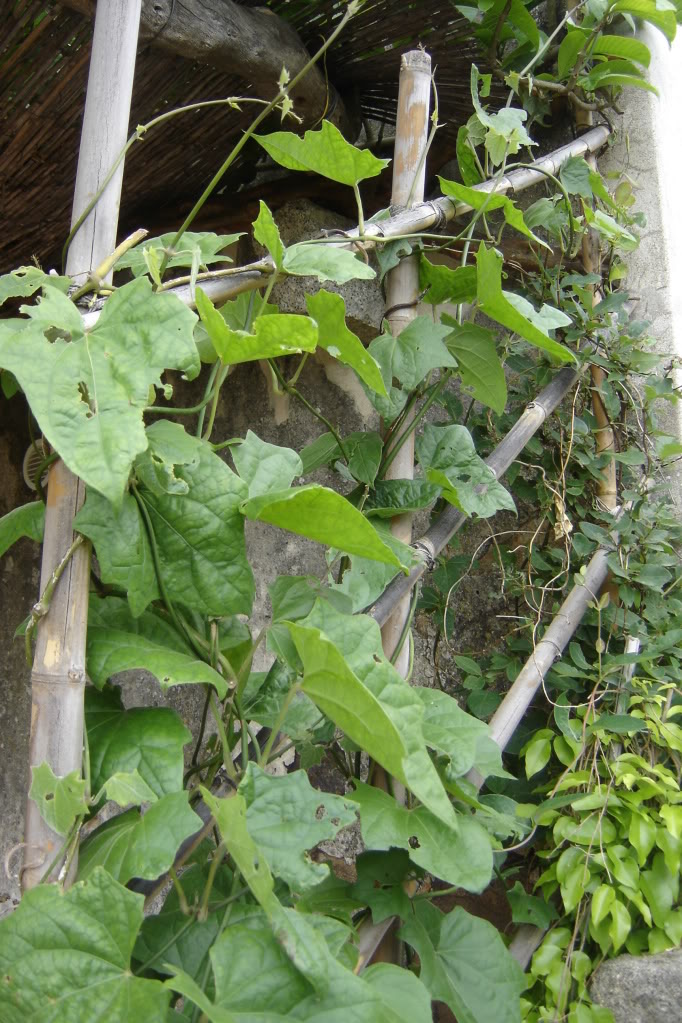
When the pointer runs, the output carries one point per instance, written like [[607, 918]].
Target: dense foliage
[[253, 927]]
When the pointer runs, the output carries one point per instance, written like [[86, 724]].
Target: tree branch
[[253, 43]]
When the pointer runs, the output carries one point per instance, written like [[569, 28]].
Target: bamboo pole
[[58, 676], [422, 217]]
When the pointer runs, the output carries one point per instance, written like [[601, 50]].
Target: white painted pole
[[58, 677]]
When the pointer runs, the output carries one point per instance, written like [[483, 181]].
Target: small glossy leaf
[[462, 857], [498, 305], [148, 741], [325, 151], [445, 284], [620, 926], [66, 954], [135, 845], [118, 642], [286, 817], [266, 232], [448, 456], [649, 11], [28, 520], [478, 363], [329, 312], [610, 229], [415, 352], [322, 515], [122, 547], [200, 538], [537, 756], [264, 466], [465, 964], [326, 263], [273, 334], [194, 248], [487, 202], [60, 800], [642, 836]]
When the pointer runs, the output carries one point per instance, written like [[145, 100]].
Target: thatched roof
[[44, 63]]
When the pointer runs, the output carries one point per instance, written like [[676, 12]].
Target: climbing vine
[[251, 924]]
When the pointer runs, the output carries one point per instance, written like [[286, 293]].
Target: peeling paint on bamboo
[[58, 677]]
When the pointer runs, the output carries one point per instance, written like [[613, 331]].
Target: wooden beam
[[253, 43]]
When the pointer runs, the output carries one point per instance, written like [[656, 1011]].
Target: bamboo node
[[427, 551], [439, 213]]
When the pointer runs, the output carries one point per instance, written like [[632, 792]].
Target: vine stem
[[43, 606], [290, 389]]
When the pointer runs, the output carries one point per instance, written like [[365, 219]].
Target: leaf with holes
[[264, 466], [60, 800], [329, 312], [448, 457], [118, 642], [273, 335]]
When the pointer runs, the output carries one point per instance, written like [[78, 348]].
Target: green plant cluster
[[253, 925]]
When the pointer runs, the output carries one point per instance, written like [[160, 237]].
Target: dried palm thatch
[[43, 69]]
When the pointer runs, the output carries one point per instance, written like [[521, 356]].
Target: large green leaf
[[264, 466], [389, 498], [148, 740], [195, 249], [118, 642], [443, 284], [88, 393], [463, 857], [200, 538], [487, 201], [140, 845], [405, 998], [26, 280], [364, 580], [648, 10], [503, 307], [65, 956], [450, 730], [415, 352], [273, 334], [122, 546], [465, 964], [60, 800], [478, 363], [323, 515], [329, 312], [326, 263], [28, 520], [325, 151], [287, 817], [448, 456], [349, 678]]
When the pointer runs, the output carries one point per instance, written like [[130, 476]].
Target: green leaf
[[622, 46], [465, 158], [649, 11], [26, 280], [329, 312], [273, 334], [365, 579], [487, 202], [497, 304], [135, 845], [405, 998], [65, 955], [610, 229], [264, 466], [118, 642], [364, 452], [571, 45], [266, 232], [450, 730], [200, 538], [620, 926], [602, 900], [128, 787], [379, 886], [326, 263], [538, 753], [28, 520], [389, 498], [415, 352], [325, 151], [642, 836], [448, 457], [122, 547], [387, 714], [169, 445], [286, 817], [463, 857], [322, 515], [319, 452], [445, 284], [200, 249], [465, 964], [529, 909], [88, 394], [230, 816], [146, 740], [59, 800], [575, 177], [478, 363]]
